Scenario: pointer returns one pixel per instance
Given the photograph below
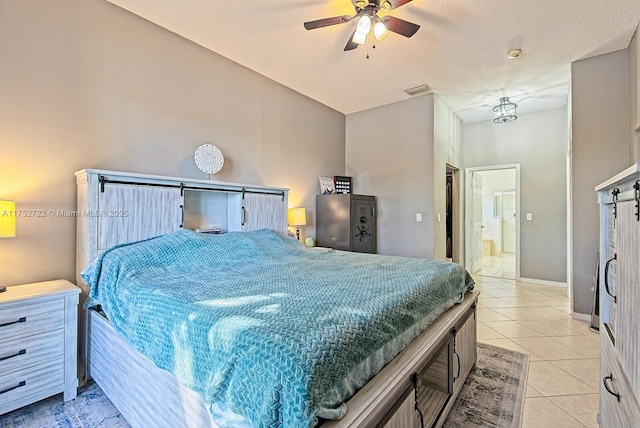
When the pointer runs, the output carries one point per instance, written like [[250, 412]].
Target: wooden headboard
[[120, 207]]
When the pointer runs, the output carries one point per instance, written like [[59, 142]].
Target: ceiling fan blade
[[311, 25], [396, 3], [351, 45], [400, 26]]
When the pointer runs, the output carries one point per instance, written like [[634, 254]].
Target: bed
[[250, 328]]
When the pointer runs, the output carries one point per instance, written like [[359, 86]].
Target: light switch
[[529, 216], [419, 217], [438, 217]]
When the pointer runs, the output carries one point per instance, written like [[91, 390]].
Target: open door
[[476, 222], [492, 222]]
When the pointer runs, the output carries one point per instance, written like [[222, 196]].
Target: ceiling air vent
[[418, 90]]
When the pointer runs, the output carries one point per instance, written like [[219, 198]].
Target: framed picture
[[326, 186]]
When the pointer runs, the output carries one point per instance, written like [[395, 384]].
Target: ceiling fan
[[367, 11]]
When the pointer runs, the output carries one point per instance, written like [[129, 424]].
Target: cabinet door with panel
[[264, 211], [610, 257], [129, 213], [465, 351], [628, 293], [620, 299]]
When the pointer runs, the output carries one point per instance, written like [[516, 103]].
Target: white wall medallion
[[209, 158]]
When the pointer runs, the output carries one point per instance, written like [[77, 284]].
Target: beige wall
[[389, 153], [538, 142], [634, 97], [448, 141], [85, 84], [599, 149], [399, 153]]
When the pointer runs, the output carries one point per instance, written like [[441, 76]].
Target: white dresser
[[38, 343], [619, 199]]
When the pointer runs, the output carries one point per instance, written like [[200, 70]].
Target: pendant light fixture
[[506, 111]]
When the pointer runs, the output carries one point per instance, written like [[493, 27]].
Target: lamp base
[[298, 233]]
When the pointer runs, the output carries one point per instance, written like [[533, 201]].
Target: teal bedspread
[[264, 327]]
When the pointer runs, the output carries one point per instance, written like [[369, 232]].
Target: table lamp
[[7, 223], [297, 217]]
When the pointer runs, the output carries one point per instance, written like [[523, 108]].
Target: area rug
[[492, 396], [91, 409]]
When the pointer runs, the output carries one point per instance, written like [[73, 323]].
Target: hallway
[[499, 266]]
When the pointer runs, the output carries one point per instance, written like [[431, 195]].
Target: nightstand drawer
[[28, 351], [26, 319], [17, 385]]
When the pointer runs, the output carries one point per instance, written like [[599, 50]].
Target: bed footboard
[[442, 357]]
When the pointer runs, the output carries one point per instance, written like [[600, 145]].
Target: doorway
[[452, 217], [493, 224]]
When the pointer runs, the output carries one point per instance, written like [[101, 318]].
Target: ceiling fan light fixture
[[506, 111], [359, 38], [364, 25], [380, 31]]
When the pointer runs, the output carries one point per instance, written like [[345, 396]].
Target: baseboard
[[543, 282], [581, 317]]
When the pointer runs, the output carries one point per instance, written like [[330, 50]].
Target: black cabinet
[[346, 222]]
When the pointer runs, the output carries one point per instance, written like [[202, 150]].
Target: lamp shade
[[7, 219], [297, 216]]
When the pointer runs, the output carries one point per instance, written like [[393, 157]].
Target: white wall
[[600, 149], [538, 142], [85, 84]]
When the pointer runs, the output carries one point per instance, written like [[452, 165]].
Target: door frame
[[468, 210], [458, 233]]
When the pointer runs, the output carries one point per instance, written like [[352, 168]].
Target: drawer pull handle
[[23, 383], [23, 319], [20, 352], [606, 277], [609, 390]]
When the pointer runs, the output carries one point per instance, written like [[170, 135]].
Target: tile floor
[[563, 382], [502, 265]]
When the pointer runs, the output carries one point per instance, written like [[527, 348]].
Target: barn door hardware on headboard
[[104, 180], [636, 196], [615, 193]]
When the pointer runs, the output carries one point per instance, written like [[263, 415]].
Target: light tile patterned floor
[[563, 383], [501, 265]]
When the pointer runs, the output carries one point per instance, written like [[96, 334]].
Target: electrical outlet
[[529, 216], [419, 217]]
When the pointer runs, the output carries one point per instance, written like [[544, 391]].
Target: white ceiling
[[459, 51]]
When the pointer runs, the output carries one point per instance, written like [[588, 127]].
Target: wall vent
[[418, 90]]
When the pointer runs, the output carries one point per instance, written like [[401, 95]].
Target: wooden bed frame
[[441, 357]]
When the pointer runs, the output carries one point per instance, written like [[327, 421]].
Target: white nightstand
[[38, 343]]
